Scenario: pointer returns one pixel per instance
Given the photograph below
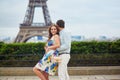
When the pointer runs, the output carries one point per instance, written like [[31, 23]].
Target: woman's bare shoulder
[[56, 35]]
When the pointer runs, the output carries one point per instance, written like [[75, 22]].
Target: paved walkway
[[82, 77]]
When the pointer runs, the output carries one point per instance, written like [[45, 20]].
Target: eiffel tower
[[29, 29]]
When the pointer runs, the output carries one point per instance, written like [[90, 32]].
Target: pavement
[[77, 77]]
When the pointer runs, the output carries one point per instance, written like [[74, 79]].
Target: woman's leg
[[39, 73], [46, 75]]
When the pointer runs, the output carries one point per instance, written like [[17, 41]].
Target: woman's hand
[[46, 49]]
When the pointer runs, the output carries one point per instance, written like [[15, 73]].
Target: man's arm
[[66, 44]]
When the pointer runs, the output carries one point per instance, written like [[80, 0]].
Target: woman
[[49, 63]]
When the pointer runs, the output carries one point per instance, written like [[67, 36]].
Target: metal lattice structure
[[29, 29]]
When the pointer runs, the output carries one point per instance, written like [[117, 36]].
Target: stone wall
[[27, 71]]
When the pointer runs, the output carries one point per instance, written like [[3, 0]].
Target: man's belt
[[64, 53]]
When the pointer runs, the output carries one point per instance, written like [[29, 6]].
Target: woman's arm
[[57, 43], [45, 48]]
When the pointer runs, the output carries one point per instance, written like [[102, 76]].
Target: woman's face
[[53, 30]]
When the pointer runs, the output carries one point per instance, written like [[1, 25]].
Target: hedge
[[22, 48], [76, 48], [95, 47], [82, 53]]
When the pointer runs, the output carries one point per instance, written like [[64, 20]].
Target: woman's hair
[[50, 34]]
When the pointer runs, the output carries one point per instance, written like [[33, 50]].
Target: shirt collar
[[62, 30]]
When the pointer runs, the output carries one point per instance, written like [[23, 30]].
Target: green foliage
[[21, 54], [95, 59], [92, 47], [95, 47], [82, 53], [1, 44], [22, 48], [115, 47]]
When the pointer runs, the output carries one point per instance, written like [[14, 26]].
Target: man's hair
[[60, 23]]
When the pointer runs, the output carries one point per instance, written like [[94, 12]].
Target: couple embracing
[[57, 53]]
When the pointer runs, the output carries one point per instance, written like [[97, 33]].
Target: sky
[[89, 18]]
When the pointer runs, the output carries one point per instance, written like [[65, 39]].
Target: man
[[64, 51]]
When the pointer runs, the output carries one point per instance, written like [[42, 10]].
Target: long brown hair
[[50, 34]]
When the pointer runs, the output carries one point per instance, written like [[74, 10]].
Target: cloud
[[93, 30], [84, 17], [12, 12], [9, 31]]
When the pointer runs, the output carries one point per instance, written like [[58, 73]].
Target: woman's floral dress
[[46, 63]]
